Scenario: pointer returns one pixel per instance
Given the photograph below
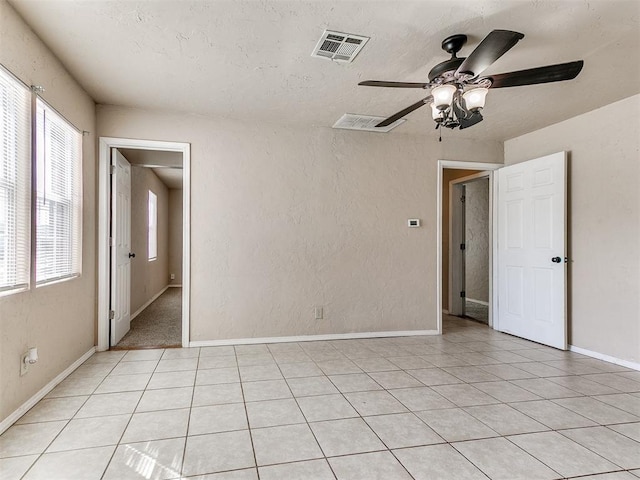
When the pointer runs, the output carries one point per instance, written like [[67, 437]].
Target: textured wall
[[287, 218], [604, 222], [59, 319], [175, 235], [477, 240], [148, 277]]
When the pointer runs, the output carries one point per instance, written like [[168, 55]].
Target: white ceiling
[[250, 60], [166, 165]]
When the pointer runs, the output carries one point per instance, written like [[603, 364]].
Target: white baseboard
[[606, 358], [26, 406], [311, 338], [173, 286], [481, 302], [149, 302]]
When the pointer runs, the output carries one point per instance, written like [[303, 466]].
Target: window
[[15, 183], [58, 206], [153, 226]]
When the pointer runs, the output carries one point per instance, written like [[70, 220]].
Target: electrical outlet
[[173, 276], [24, 364], [28, 358], [318, 313]]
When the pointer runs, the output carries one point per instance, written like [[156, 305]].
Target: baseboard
[[174, 286], [153, 299], [311, 338], [445, 311], [606, 358], [481, 302], [26, 406]]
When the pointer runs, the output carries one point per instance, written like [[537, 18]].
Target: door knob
[[554, 259], [133, 255]]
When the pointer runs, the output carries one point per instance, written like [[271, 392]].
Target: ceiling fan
[[458, 91]]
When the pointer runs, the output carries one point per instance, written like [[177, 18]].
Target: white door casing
[[532, 250], [105, 145], [120, 246]]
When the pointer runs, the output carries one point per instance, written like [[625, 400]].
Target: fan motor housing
[[451, 45], [450, 65]]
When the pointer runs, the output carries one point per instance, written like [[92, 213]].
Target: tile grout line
[[246, 413], [104, 472], [68, 421], [326, 459]]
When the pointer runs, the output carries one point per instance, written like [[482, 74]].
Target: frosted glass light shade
[[474, 99], [443, 96]]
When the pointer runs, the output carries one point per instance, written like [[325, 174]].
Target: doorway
[[448, 170], [159, 255], [469, 246], [155, 266]]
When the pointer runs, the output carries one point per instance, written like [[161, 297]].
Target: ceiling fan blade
[[406, 111], [376, 83], [491, 48], [532, 76]]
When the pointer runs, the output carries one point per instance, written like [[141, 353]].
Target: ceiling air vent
[[341, 47], [367, 123]]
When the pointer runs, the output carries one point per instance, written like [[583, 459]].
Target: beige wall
[[448, 174], [175, 235], [604, 222], [285, 218], [59, 319], [476, 208], [148, 278]]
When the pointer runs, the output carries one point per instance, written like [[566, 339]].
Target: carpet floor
[[477, 311], [158, 325]]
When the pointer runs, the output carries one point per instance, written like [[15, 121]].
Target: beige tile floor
[[472, 404]]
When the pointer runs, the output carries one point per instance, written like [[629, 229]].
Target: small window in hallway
[[153, 226]]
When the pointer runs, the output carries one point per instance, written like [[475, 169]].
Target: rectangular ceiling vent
[[341, 47], [366, 123]]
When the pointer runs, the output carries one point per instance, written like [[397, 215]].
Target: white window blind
[[59, 196], [15, 183], [153, 226]]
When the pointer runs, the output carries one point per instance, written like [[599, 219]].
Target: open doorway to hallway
[[155, 291], [465, 275], [475, 254], [116, 251]]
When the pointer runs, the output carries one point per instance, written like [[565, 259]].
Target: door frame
[[457, 261], [104, 209], [466, 165]]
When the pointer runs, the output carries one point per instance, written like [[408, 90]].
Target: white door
[[532, 250], [120, 246]]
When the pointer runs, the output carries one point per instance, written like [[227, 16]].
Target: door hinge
[[112, 169], [463, 246], [463, 294], [112, 314], [463, 198]]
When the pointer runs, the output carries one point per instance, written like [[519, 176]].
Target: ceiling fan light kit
[[443, 96], [458, 92], [474, 99]]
